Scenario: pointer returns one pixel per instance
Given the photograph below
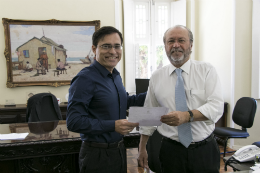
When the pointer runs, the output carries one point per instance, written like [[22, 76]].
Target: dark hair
[[58, 59], [27, 62], [102, 32]]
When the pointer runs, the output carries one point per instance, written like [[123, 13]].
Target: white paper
[[256, 171], [255, 168], [134, 130], [147, 116], [13, 136]]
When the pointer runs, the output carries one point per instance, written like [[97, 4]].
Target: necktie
[[184, 130]]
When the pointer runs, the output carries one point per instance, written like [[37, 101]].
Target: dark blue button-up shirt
[[97, 99]]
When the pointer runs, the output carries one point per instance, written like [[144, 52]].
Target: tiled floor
[[132, 166]]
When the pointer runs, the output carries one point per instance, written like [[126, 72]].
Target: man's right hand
[[123, 127], [143, 159]]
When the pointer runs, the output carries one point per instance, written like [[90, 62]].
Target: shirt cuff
[[147, 130], [108, 125]]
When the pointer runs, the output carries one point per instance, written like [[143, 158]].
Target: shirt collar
[[185, 67], [103, 70]]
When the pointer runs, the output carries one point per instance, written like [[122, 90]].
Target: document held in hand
[[147, 116]]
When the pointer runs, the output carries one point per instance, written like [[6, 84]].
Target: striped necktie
[[184, 130]]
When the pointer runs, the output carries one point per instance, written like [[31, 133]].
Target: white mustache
[[176, 50]]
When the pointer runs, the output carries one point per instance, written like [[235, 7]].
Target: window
[[145, 22], [150, 23], [26, 53]]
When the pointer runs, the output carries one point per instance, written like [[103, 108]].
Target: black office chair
[[243, 115], [153, 149], [43, 107], [257, 144]]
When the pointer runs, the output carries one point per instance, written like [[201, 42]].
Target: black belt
[[193, 144], [103, 145]]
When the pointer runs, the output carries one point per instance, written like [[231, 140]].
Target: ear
[[94, 48], [191, 44]]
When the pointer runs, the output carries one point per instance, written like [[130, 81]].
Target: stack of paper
[[13, 136]]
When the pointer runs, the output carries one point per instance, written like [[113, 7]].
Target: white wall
[[243, 64], [213, 38], [77, 10], [215, 31]]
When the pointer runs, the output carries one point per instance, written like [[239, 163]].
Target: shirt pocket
[[199, 95], [197, 92], [197, 98]]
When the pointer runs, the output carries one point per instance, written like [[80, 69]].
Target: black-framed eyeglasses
[[109, 47]]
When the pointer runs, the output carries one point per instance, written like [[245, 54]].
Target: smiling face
[[178, 46], [108, 58]]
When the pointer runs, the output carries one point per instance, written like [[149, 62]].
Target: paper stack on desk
[[13, 136]]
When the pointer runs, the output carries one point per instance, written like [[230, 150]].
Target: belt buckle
[[193, 143]]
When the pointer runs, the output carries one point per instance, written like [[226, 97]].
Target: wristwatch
[[191, 116]]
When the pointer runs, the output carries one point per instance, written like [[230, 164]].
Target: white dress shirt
[[203, 93]]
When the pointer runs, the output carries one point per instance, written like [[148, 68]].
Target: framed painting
[[46, 52]]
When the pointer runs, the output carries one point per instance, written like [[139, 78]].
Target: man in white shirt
[[204, 103], [28, 68]]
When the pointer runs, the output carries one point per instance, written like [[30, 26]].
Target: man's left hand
[[175, 118]]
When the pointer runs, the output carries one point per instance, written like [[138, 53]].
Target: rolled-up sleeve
[[213, 109]]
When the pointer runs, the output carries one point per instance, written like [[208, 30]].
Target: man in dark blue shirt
[[97, 107]]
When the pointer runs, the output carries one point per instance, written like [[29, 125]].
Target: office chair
[[43, 107], [243, 115], [141, 85], [153, 150], [257, 144]]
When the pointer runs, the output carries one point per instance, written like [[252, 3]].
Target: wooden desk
[[49, 147]]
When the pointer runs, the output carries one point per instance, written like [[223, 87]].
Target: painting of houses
[[49, 53], [31, 50]]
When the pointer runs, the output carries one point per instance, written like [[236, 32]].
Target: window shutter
[[178, 13]]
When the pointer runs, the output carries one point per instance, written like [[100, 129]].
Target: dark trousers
[[101, 160], [175, 158]]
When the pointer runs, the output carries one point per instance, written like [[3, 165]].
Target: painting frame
[[11, 83]]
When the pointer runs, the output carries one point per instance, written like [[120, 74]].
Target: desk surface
[[239, 166], [38, 131], [49, 132]]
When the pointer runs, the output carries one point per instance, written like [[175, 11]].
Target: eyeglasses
[[109, 47]]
